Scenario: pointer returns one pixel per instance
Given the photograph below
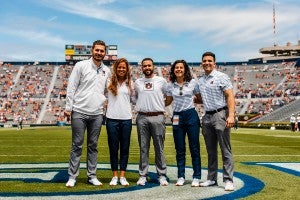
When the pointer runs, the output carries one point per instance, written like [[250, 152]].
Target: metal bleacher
[[282, 114]]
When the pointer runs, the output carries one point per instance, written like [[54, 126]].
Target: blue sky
[[38, 30]]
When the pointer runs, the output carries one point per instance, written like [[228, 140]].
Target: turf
[[52, 145]]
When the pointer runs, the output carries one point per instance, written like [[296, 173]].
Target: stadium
[[34, 159], [266, 89]]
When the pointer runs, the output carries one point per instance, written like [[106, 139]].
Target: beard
[[148, 72], [97, 57]]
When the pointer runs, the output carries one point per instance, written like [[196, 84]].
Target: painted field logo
[[30, 180]]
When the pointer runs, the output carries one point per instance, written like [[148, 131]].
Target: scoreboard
[[74, 53]]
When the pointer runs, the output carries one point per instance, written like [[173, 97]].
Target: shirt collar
[[95, 66], [212, 74], [184, 83]]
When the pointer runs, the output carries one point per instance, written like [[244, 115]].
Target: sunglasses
[[180, 90]]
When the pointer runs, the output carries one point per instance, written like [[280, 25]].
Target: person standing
[[185, 119], [298, 122], [150, 121], [236, 121], [119, 119], [20, 122], [84, 102], [217, 96], [293, 122]]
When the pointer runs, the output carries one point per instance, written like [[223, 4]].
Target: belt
[[215, 111], [151, 113]]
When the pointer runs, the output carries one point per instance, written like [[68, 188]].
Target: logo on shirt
[[148, 86], [100, 70]]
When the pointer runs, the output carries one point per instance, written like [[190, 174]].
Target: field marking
[[287, 136], [106, 156], [41, 176], [137, 148], [272, 155], [292, 166], [244, 185], [287, 167], [254, 133]]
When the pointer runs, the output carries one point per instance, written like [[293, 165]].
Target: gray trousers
[[80, 123], [147, 127], [214, 132]]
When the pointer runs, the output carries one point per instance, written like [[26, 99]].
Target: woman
[[185, 119], [119, 119]]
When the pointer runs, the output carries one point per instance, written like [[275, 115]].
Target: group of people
[[295, 122], [151, 94]]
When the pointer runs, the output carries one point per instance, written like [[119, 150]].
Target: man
[[20, 122], [85, 100], [236, 121], [293, 122], [298, 122], [150, 121], [218, 100]]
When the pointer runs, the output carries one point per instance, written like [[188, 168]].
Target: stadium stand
[[37, 92]]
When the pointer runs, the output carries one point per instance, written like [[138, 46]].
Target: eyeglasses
[[180, 90]]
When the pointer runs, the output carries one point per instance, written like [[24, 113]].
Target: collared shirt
[[212, 89], [183, 98], [150, 94], [85, 91], [119, 107], [293, 119]]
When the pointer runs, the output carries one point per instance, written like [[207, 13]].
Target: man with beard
[[150, 105], [84, 103]]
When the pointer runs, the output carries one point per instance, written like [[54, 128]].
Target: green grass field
[[52, 145]]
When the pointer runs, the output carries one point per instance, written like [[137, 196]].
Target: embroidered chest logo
[[148, 86]]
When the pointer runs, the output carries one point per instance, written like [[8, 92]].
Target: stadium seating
[[38, 92]]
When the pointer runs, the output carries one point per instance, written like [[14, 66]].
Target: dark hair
[[187, 71], [147, 59], [113, 85], [98, 42], [209, 54]]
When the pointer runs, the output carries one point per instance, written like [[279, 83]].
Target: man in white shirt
[[298, 122], [293, 122], [150, 105], [85, 100]]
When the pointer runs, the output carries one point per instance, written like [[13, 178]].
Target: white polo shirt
[[119, 107]]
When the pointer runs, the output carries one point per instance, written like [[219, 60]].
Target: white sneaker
[[163, 181], [180, 182], [114, 181], [123, 181], [208, 183], [71, 182], [195, 182], [95, 182], [229, 186], [142, 180]]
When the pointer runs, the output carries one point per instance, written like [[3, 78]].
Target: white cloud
[[241, 29], [220, 24], [92, 9], [52, 18]]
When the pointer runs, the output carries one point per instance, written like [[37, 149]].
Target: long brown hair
[[113, 85]]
